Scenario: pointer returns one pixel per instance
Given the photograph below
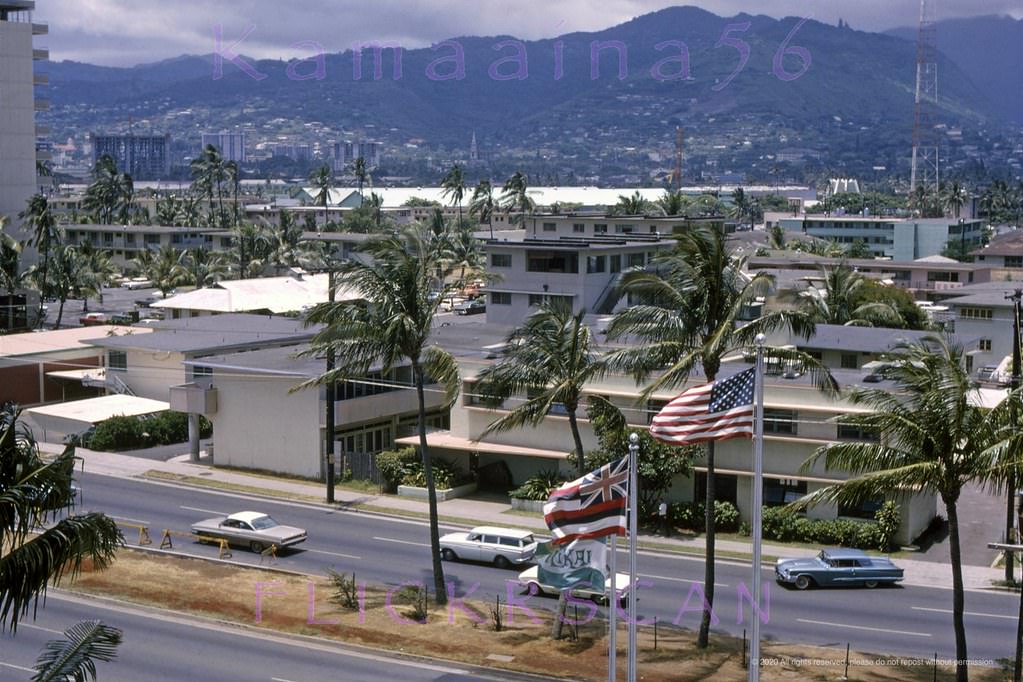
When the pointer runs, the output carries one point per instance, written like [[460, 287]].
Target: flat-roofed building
[[901, 239], [144, 157]]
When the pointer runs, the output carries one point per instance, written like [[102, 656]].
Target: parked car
[[255, 530], [837, 567], [476, 305], [530, 577], [489, 544], [137, 283], [92, 319]]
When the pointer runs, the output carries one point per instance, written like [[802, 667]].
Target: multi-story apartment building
[[230, 145], [126, 241], [344, 153], [144, 157], [901, 239], [18, 104]]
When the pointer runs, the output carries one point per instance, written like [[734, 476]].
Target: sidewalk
[[923, 573]]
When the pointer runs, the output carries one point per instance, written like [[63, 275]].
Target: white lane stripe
[[126, 519], [39, 627], [677, 580], [861, 627], [403, 542], [320, 551], [16, 667], [965, 613], [280, 679], [205, 511]]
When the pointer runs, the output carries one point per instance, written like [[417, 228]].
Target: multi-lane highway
[[907, 621]]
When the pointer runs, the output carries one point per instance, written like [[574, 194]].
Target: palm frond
[[74, 657]]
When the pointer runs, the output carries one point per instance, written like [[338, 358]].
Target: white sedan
[[529, 577], [253, 529]]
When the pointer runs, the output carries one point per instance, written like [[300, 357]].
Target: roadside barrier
[[167, 543], [143, 531], [270, 552]]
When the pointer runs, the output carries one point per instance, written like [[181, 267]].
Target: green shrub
[[868, 536], [726, 516], [117, 433], [888, 520], [394, 465], [167, 427], [539, 486], [687, 515], [445, 475], [777, 525]]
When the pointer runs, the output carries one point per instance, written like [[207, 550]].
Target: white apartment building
[[230, 145]]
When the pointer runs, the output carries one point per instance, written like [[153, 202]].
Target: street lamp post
[[1010, 513]]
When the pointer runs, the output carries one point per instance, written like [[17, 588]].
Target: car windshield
[[263, 522]]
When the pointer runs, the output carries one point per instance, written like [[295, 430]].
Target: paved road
[[157, 646], [912, 620]]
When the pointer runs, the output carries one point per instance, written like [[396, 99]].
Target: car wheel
[[501, 562], [870, 584], [256, 546], [448, 555], [803, 582], [534, 588]]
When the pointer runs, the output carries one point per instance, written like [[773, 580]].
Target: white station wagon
[[489, 544]]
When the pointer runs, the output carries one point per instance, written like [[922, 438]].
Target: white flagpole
[[758, 493], [633, 526], [612, 637]]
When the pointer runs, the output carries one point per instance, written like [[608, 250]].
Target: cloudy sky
[[127, 32]]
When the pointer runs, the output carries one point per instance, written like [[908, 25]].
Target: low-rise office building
[[901, 239]]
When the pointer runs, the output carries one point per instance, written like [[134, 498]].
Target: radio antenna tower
[[679, 136], [925, 139]]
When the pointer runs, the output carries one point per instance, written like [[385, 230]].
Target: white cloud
[[125, 32]]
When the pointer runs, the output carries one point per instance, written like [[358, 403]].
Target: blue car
[[837, 567]]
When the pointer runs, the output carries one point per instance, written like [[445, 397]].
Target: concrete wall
[[151, 374], [17, 121]]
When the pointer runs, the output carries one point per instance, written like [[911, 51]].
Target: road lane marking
[[321, 551], [205, 511], [677, 580], [17, 667], [126, 519], [861, 627], [280, 679], [403, 542], [965, 613], [39, 627]]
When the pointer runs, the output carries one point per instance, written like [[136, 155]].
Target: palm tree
[[64, 277], [208, 176], [11, 275], [323, 180], [482, 204], [550, 357], [44, 237], [839, 301], [361, 174], [454, 187], [249, 247], [74, 656], [203, 267], [741, 205], [515, 197], [165, 270], [953, 197], [631, 205], [692, 299], [931, 437], [42, 544], [97, 271], [233, 176], [389, 325], [376, 205], [672, 203], [168, 210]]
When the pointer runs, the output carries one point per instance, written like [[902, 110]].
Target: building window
[[970, 313], [1014, 261], [864, 510], [780, 421], [539, 299], [653, 407], [500, 298], [850, 361], [616, 263], [595, 264], [500, 260], [600, 228], [985, 345], [624, 228], [847, 431], [117, 360], [129, 239], [781, 491], [550, 227], [942, 276], [152, 240], [552, 261], [201, 371], [578, 227], [725, 487], [636, 260]]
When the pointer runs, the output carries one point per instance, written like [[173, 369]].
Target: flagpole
[[612, 609], [758, 493], [633, 529]]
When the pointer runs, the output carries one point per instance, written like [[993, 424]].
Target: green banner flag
[[582, 563]]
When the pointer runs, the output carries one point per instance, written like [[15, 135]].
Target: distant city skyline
[[130, 32]]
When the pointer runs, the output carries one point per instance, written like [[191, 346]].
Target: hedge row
[[132, 433]]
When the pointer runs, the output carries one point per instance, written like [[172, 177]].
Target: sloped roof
[[36, 343], [276, 294]]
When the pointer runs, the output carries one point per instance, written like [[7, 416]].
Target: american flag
[[590, 507], [715, 411]]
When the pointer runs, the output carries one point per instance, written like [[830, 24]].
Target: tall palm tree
[[631, 205], [390, 325], [482, 204], [551, 357], [953, 196], [41, 544], [74, 656], [208, 176], [672, 203], [931, 437], [12, 277], [689, 317], [168, 210], [376, 206], [361, 173], [839, 301], [233, 176], [249, 246], [65, 276], [203, 267], [454, 187], [44, 236], [98, 270], [515, 198], [322, 179], [165, 270]]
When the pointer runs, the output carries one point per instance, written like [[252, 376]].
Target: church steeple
[[474, 151]]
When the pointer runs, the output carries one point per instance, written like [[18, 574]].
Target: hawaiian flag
[[716, 411], [593, 506]]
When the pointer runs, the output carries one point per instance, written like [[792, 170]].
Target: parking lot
[[116, 300]]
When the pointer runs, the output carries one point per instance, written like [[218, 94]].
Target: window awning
[[444, 439]]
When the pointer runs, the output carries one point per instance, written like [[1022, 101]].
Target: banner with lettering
[[582, 563]]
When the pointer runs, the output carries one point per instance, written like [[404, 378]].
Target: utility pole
[[330, 445], [1010, 485]]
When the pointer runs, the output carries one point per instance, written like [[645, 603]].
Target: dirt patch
[[303, 605]]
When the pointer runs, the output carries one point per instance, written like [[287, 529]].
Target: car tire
[[501, 562], [534, 589], [256, 546], [870, 584], [448, 555], [803, 582]]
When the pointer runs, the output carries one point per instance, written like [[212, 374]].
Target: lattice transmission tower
[[925, 167]]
